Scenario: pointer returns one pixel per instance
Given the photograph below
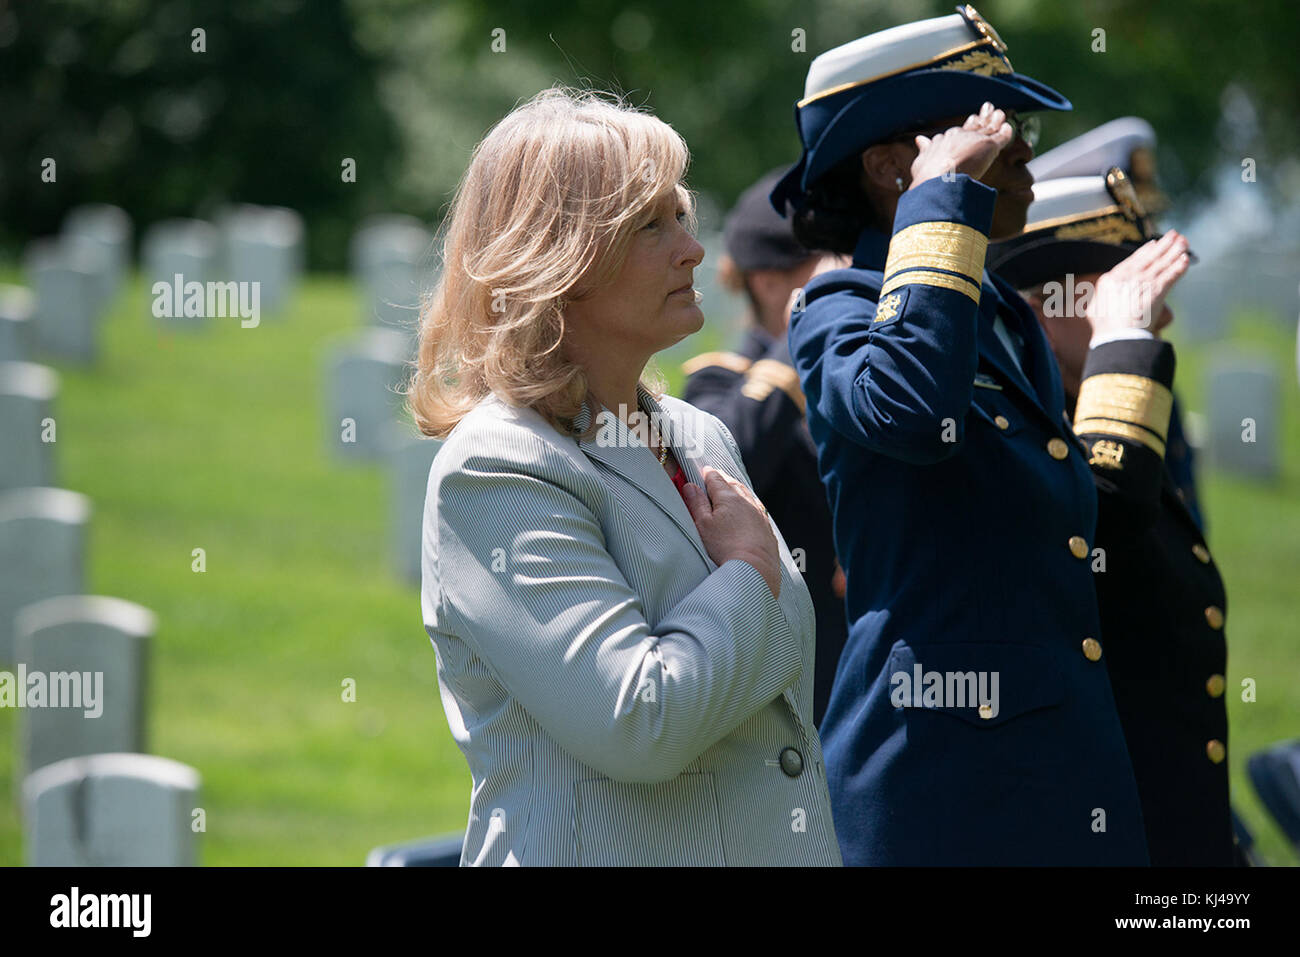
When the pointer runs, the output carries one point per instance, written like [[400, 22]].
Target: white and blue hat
[[1076, 224], [1128, 142], [895, 80]]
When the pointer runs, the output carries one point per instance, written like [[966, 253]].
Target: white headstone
[[364, 406], [42, 551], [27, 393], [1274, 283], [96, 258], [91, 654], [110, 228], [1201, 301], [392, 260], [410, 459], [17, 329], [1244, 408], [111, 810], [264, 244], [175, 253], [69, 282]]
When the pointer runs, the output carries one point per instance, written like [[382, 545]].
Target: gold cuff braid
[[1127, 398], [923, 277], [952, 247]]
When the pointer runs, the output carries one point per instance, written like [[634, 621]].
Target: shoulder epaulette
[[726, 360], [768, 374]]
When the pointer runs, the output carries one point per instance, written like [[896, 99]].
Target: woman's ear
[[884, 164]]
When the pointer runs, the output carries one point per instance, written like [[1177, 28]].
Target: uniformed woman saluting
[[971, 721]]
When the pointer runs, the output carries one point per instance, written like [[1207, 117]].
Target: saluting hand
[[1132, 295], [970, 148], [733, 524]]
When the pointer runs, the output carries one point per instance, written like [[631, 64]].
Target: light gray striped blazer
[[620, 699]]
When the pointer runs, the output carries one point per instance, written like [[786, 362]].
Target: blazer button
[[1214, 686], [791, 762], [1057, 449], [1001, 422], [1202, 553], [1092, 649], [1078, 546], [1215, 751], [1214, 617]]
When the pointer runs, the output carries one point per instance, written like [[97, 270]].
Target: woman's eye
[[681, 217]]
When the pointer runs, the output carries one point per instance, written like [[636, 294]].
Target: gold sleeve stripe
[[1127, 398], [767, 374], [938, 245], [727, 360], [1120, 430], [923, 277]]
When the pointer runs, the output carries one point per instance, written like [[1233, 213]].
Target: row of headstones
[[79, 678], [74, 279], [391, 261], [88, 793], [188, 264], [365, 374]]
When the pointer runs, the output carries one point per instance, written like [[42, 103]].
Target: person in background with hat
[[971, 721], [1129, 143], [755, 392], [1161, 596]]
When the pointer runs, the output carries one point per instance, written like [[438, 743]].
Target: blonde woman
[[624, 645]]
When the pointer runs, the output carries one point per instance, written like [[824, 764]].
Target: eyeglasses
[[1027, 128]]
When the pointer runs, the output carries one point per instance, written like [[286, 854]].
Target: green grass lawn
[[215, 440]]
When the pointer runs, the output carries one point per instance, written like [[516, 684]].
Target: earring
[[899, 181]]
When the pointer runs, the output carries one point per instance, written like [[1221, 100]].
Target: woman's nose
[[694, 252]]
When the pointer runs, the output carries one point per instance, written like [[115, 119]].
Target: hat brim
[[911, 100], [1038, 261]]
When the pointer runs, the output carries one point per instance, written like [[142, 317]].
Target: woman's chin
[[696, 318], [683, 321]]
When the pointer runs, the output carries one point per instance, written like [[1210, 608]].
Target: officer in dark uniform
[[1129, 143], [755, 392], [1162, 599], [971, 721]]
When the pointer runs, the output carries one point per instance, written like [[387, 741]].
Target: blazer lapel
[[1040, 382], [622, 451]]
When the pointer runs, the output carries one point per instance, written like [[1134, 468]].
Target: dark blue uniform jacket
[[964, 513]]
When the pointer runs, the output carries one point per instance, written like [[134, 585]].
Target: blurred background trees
[[287, 89]]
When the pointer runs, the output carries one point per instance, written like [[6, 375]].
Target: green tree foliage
[[288, 88], [133, 115]]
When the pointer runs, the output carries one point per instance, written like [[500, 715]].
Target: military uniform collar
[[872, 250]]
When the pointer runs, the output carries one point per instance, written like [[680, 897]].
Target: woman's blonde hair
[[545, 212]]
